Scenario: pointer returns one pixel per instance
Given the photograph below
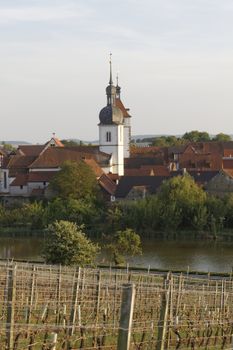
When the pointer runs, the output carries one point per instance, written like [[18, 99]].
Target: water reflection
[[198, 255], [29, 248]]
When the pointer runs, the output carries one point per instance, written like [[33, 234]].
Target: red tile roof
[[227, 163], [20, 180], [142, 150], [124, 110], [41, 176], [107, 184], [30, 150], [229, 172], [58, 142], [54, 157], [148, 170], [94, 166], [228, 153]]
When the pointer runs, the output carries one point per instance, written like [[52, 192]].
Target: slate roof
[[152, 183], [203, 177], [126, 183]]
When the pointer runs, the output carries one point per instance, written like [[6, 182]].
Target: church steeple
[[110, 63], [111, 129], [118, 88], [111, 89]]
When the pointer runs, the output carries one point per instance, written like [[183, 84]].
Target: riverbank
[[141, 270], [27, 231]]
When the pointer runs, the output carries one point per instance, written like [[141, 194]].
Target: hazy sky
[[174, 57]]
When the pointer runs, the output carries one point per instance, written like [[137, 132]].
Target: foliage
[[196, 136], [181, 200], [71, 143], [33, 214], [167, 141], [8, 147], [124, 244], [74, 210], [75, 180], [67, 245], [222, 137]]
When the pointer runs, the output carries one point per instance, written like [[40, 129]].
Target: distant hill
[[15, 143]]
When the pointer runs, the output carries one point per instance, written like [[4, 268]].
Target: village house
[[221, 184]]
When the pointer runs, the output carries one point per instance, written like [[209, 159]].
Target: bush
[[67, 245]]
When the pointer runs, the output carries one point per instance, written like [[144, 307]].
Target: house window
[[21, 187], [108, 136], [44, 183]]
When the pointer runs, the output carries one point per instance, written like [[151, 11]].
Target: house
[[221, 184], [28, 171]]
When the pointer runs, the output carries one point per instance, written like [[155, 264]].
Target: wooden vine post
[[11, 307], [126, 318], [74, 303], [163, 319]]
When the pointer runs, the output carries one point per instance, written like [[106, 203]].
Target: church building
[[27, 171], [115, 128]]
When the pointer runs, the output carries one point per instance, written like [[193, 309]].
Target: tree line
[[192, 136], [76, 211], [180, 204]]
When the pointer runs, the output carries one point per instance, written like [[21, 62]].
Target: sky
[[174, 59]]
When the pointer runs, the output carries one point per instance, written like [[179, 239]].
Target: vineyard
[[46, 307]]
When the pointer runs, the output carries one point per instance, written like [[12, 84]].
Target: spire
[[118, 89], [111, 89], [110, 62]]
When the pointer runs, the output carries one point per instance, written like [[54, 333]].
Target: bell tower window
[[108, 136]]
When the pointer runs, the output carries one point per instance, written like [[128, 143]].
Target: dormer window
[[108, 136]]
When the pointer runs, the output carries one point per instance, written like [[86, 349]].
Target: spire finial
[[117, 78], [110, 62]]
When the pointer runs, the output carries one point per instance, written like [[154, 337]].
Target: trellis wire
[[52, 307]]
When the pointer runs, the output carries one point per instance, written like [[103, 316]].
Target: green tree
[[196, 136], [74, 210], [75, 180], [67, 244], [181, 202], [33, 214], [71, 143], [126, 243], [8, 147], [222, 137], [167, 141], [217, 211]]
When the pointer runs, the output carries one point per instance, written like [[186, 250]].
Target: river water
[[174, 254]]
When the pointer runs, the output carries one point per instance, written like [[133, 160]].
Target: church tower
[[127, 122], [111, 129]]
